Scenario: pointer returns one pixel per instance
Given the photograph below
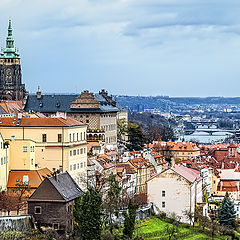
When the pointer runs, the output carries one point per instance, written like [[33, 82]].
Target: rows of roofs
[[72, 103], [39, 122], [173, 146]]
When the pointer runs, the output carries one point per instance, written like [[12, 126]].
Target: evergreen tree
[[129, 220], [88, 215], [227, 213], [136, 137]]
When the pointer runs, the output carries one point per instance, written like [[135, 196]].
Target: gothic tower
[[11, 87]]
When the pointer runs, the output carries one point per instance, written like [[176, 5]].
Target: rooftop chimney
[[39, 94]]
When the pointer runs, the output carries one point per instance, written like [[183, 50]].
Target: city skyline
[[127, 47]]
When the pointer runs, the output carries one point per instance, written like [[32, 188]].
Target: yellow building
[[21, 154], [144, 170], [3, 164], [59, 143]]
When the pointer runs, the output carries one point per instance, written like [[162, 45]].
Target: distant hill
[[165, 103]]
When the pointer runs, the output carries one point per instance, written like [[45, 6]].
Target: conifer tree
[[88, 215], [227, 213], [129, 220]]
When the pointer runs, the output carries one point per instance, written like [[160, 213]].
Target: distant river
[[204, 134]]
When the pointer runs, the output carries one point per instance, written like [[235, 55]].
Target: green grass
[[153, 225]]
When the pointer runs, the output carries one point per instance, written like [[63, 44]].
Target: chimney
[[39, 94], [221, 185], [238, 186]]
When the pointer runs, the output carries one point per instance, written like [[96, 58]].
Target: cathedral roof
[[10, 51]]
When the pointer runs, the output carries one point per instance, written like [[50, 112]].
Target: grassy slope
[[154, 224]]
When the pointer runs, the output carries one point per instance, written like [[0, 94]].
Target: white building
[[176, 190]]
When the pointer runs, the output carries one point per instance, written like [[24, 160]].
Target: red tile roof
[[35, 177], [40, 122]]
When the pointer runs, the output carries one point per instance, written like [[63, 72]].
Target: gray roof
[[51, 103], [66, 186]]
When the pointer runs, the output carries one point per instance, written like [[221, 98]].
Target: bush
[[162, 215]]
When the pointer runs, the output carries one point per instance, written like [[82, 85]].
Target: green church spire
[[10, 51]]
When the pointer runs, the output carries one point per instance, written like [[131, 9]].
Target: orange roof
[[139, 162], [228, 185], [92, 144], [127, 167], [175, 146], [39, 122], [35, 177]]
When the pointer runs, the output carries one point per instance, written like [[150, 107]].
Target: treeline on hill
[[154, 127]]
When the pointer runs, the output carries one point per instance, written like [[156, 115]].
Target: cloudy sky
[[134, 47]]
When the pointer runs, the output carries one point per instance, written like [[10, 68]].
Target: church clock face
[[9, 75]]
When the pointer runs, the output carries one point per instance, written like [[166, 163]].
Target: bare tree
[[190, 216], [21, 190]]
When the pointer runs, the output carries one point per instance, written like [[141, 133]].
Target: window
[[70, 167], [44, 137], [70, 153], [73, 137], [163, 193], [70, 137], [81, 137], [77, 136], [25, 180], [163, 204], [74, 167], [59, 137], [81, 151], [74, 152], [38, 210], [78, 152], [31, 161], [87, 121], [24, 149], [55, 226]]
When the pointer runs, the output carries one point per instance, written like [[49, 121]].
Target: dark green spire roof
[[10, 51]]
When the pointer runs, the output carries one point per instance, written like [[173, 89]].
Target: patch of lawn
[[152, 226]]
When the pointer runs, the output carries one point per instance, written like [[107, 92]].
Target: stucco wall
[[178, 197]]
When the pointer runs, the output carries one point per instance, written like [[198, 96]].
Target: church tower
[[11, 87]]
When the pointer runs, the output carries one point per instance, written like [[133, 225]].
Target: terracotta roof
[[91, 145], [129, 169], [139, 162], [232, 145], [35, 177], [230, 186], [39, 122]]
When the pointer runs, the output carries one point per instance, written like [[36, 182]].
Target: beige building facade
[[60, 144], [3, 164], [176, 190]]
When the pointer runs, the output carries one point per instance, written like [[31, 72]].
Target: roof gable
[[46, 192], [61, 187]]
